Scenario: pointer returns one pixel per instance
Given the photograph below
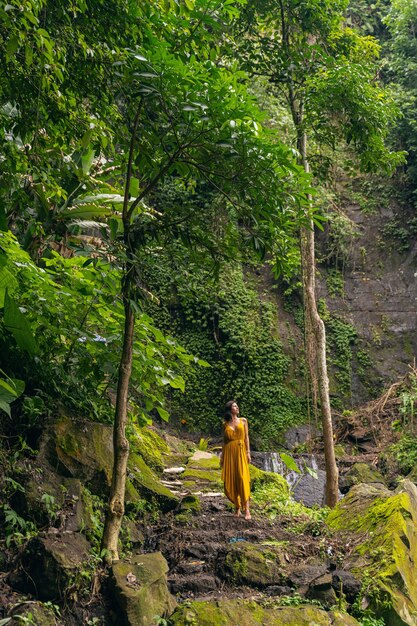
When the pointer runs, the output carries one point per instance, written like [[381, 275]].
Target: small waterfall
[[305, 488]]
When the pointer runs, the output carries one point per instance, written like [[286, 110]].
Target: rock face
[[50, 562], [228, 612], [140, 589], [84, 451], [387, 556], [360, 473]]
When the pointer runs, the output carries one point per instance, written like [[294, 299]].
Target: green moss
[[210, 476], [189, 484], [339, 451], [150, 446], [191, 503], [146, 483], [386, 522], [250, 613], [253, 564], [212, 463], [259, 478]]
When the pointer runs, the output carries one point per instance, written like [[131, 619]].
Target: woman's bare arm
[[245, 423]]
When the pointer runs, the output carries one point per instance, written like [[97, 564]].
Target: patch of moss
[[191, 503], [146, 483], [387, 555], [250, 613], [189, 484], [259, 478], [210, 476], [151, 447], [253, 564], [211, 463]]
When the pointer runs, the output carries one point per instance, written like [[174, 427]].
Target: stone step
[[174, 470], [195, 584]]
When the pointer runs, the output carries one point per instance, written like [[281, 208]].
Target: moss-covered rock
[[140, 589], [256, 565], [50, 562], [151, 447], [84, 450], [260, 478], [211, 477], [360, 473], [386, 559], [249, 613], [189, 506], [147, 484], [33, 613]]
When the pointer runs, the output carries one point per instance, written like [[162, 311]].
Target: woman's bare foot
[[238, 513], [248, 515]]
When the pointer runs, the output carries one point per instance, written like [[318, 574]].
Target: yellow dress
[[235, 472]]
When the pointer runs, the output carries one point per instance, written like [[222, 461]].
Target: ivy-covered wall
[[235, 329]]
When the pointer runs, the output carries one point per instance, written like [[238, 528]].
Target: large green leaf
[[10, 390], [17, 324], [7, 281], [289, 462]]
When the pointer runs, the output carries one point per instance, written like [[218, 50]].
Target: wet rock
[[249, 613], [140, 589], [250, 564], [299, 435], [49, 563], [278, 590], [84, 451], [311, 491], [302, 577], [321, 589]]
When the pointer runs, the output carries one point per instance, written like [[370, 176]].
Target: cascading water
[[305, 488]]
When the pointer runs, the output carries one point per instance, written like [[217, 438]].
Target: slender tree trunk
[[115, 510], [116, 507], [316, 344]]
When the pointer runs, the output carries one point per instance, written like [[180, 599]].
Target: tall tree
[[190, 120], [326, 75]]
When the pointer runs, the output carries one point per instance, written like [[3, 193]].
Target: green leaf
[[87, 160], [17, 324], [312, 472], [178, 383], [163, 414], [12, 46], [5, 406], [289, 462]]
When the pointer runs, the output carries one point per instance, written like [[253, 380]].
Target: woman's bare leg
[[247, 510]]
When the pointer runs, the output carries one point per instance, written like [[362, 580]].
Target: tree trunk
[[316, 344], [116, 505], [115, 509]]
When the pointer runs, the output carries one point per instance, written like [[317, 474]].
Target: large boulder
[[360, 473], [245, 563], [32, 612], [140, 589], [386, 557], [84, 450], [49, 563], [249, 613]]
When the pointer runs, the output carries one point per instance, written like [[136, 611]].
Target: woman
[[235, 459]]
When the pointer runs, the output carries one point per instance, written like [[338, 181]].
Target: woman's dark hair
[[228, 410]]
